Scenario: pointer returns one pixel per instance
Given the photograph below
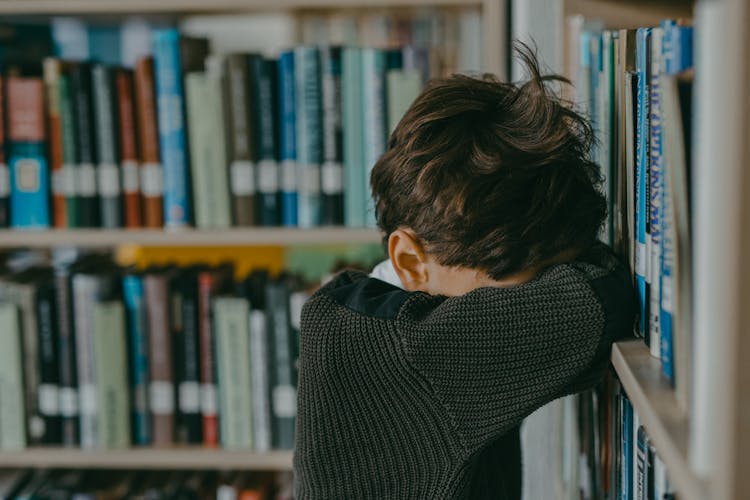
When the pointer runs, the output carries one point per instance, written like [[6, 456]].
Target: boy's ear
[[409, 259]]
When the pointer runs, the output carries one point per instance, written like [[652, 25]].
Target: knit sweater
[[404, 395]]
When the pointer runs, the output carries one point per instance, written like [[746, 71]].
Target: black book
[[68, 380], [107, 155], [49, 371], [332, 170], [87, 214], [264, 96], [186, 343]]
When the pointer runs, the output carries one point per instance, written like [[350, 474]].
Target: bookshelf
[[135, 458], [103, 238]]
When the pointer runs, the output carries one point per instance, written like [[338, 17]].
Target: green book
[[352, 116], [403, 86], [12, 418], [112, 388], [69, 150], [231, 324]]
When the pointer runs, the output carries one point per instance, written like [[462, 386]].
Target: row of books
[[190, 136], [636, 85], [97, 356], [21, 484]]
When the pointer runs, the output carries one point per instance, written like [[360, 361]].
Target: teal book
[[373, 102], [352, 115]]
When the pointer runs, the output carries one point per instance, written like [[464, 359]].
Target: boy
[[490, 211]]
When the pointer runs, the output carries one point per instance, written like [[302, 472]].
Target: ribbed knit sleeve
[[495, 355]]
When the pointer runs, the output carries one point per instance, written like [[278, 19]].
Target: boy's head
[[485, 183]]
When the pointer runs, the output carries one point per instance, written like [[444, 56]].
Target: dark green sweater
[[410, 396]]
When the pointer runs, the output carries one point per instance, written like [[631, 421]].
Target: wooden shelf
[[186, 237], [147, 458], [203, 6], [666, 423]]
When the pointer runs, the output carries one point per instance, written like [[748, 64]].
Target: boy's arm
[[495, 355]]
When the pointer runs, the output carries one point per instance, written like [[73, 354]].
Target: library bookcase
[[494, 33]]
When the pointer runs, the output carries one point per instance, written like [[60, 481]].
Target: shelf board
[[202, 6], [666, 423], [147, 458], [255, 236]]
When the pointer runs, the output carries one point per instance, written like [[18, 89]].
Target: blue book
[[288, 139], [135, 310], [171, 118], [374, 124], [352, 116], [626, 458], [29, 180], [643, 36], [104, 44], [656, 179], [309, 135]]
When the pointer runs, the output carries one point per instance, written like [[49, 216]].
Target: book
[[208, 145], [49, 370], [264, 96], [69, 149], [353, 138], [374, 122], [642, 262], [63, 263], [107, 157], [402, 88], [283, 374], [87, 205], [138, 344], [173, 56], [52, 73], [4, 172], [161, 365], [186, 341], [129, 166], [241, 137], [332, 169], [29, 175], [12, 414], [308, 134], [231, 326], [151, 173], [113, 406], [288, 138]]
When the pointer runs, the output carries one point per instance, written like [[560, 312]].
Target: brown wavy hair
[[490, 175]]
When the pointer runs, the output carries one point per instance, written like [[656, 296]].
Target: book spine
[[151, 173], [112, 382], [332, 170], [656, 177], [403, 87], [52, 70], [263, 84], [209, 395], [641, 469], [12, 431], [309, 140], [626, 460], [49, 371], [128, 149], [667, 264], [69, 170], [107, 169], [231, 318], [374, 125], [171, 122], [87, 209], [196, 93], [641, 196], [288, 139], [187, 362], [161, 386], [84, 300], [29, 176], [137, 321], [283, 381], [67, 359], [4, 171], [354, 169], [261, 383], [243, 180], [242, 147]]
